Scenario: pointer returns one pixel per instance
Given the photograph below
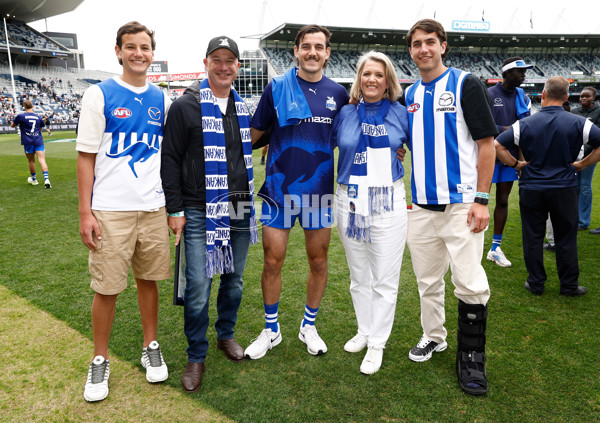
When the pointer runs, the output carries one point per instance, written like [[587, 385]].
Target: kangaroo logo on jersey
[[413, 108], [313, 161], [154, 113], [446, 102], [122, 113], [139, 151], [330, 104]]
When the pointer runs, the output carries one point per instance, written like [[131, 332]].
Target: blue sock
[[310, 314], [271, 315], [46, 175], [496, 240], [33, 176]]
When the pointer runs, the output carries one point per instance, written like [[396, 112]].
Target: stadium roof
[[287, 32], [33, 10]]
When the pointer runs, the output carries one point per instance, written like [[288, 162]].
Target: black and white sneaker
[[425, 349], [96, 387], [152, 361]]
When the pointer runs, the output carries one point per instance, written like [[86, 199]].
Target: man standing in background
[[509, 104], [32, 141]]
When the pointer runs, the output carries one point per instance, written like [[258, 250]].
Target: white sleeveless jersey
[[444, 154], [127, 170]]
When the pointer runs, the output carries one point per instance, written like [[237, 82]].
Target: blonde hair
[[393, 91]]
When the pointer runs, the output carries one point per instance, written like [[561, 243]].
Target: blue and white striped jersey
[[444, 152]]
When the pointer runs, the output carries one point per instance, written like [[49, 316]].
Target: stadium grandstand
[[48, 68], [576, 57], [41, 67]]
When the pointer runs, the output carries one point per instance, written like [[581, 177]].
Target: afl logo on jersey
[[413, 107], [122, 113], [154, 113]]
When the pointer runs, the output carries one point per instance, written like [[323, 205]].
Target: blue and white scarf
[[219, 254], [370, 187]]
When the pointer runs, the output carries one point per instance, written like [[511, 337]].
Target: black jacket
[[592, 114], [182, 160]]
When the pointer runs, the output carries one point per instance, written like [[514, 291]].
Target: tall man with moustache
[[452, 139], [209, 185], [509, 104], [300, 107], [122, 219]]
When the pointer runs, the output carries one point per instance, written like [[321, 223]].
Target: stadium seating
[[342, 64], [24, 36]]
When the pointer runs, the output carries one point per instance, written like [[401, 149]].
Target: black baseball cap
[[223, 42]]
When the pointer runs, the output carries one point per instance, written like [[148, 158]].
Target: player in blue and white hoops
[[32, 141], [452, 151], [122, 216]]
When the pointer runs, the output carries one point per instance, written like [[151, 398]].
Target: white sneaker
[[498, 257], [32, 181], [265, 341], [152, 361], [356, 344], [47, 183], [314, 344], [372, 361], [96, 387]]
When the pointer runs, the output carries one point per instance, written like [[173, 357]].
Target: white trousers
[[375, 266], [436, 240]]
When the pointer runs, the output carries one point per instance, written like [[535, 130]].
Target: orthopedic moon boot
[[470, 355]]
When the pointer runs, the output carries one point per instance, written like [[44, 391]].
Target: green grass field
[[542, 359]]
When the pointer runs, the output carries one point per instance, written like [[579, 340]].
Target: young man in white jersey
[[452, 153], [122, 216]]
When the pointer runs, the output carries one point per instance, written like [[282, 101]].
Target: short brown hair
[[27, 104], [313, 29], [134, 27], [429, 26], [557, 88]]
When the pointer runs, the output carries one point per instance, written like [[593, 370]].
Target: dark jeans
[[197, 290], [562, 204]]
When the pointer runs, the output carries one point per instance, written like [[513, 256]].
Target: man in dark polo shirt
[[550, 141]]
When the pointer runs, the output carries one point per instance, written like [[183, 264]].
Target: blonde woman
[[370, 201]]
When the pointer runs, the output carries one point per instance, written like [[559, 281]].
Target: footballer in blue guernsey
[[299, 107], [32, 141], [509, 104], [452, 151]]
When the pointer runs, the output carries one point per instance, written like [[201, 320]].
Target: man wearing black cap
[[509, 104], [208, 182]]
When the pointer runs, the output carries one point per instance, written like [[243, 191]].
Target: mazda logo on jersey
[[154, 113], [122, 113], [413, 107], [446, 103], [446, 99]]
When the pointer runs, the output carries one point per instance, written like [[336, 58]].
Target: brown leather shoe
[[192, 377], [232, 349]]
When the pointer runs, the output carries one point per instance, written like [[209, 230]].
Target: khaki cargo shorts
[[136, 239]]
